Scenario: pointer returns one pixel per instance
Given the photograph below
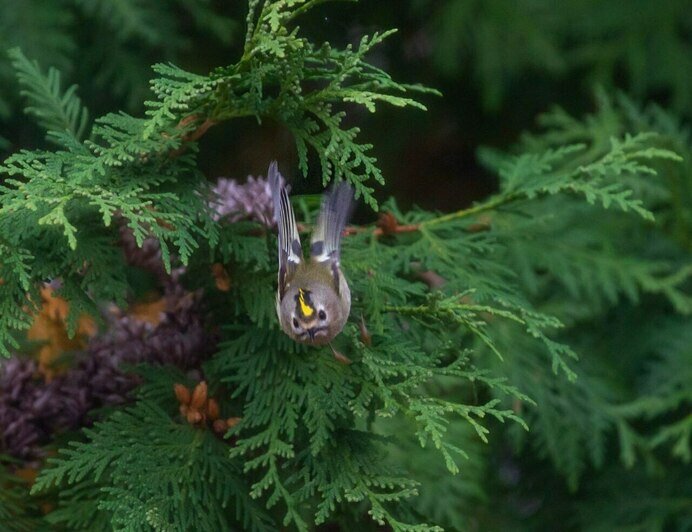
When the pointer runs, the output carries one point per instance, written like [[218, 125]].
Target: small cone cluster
[[50, 328], [221, 278], [201, 410], [388, 223]]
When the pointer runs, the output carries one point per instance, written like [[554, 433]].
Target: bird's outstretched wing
[[325, 244], [290, 250]]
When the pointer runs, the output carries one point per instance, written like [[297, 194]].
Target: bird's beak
[[311, 332]]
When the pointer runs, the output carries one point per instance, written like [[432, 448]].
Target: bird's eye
[[322, 315], [295, 323]]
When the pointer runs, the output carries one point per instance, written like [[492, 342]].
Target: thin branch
[[388, 225], [482, 207]]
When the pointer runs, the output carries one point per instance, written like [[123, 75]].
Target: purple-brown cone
[[33, 409], [251, 200]]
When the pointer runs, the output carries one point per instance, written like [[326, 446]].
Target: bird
[[313, 299]]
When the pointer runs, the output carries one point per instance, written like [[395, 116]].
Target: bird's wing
[[290, 250], [337, 205]]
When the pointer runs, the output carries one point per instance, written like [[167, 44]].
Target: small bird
[[313, 299]]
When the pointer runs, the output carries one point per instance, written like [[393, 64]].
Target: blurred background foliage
[[499, 64], [612, 450]]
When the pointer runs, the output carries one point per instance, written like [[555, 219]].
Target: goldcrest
[[313, 298]]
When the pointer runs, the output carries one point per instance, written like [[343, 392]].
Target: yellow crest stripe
[[306, 309]]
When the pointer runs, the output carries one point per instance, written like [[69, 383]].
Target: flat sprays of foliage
[[461, 322]]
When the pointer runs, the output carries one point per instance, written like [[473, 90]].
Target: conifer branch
[[438, 364], [56, 111]]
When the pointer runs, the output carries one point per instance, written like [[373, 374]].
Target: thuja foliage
[[143, 171], [639, 44], [106, 42], [14, 507], [459, 321], [622, 287]]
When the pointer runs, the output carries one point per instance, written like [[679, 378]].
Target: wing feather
[[290, 250], [325, 245]]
